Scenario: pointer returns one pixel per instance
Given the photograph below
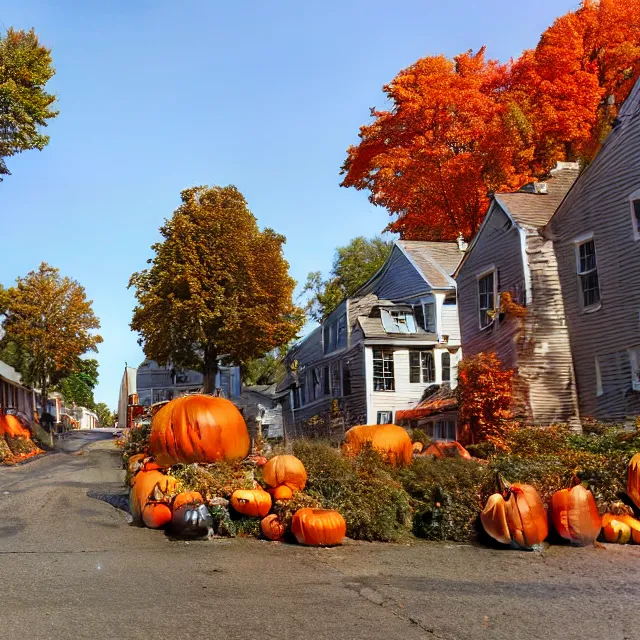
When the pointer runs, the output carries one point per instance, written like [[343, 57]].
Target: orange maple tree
[[460, 129], [485, 397]]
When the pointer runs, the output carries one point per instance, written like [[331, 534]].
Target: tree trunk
[[210, 370]]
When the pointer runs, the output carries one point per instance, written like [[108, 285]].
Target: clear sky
[[155, 96]]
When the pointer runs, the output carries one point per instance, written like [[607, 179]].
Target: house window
[[634, 201], [383, 370], [634, 358], [446, 367], [334, 334], [335, 379], [422, 367], [346, 379], [430, 317], [384, 417], [395, 321], [342, 332], [588, 273], [316, 383], [327, 381], [442, 430], [599, 390], [302, 391], [418, 314], [486, 298]]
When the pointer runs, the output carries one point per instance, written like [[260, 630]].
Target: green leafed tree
[[25, 106], [78, 387], [218, 288], [48, 325], [105, 415], [266, 370], [353, 265]]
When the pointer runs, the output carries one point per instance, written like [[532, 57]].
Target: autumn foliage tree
[[50, 323], [485, 397], [218, 287], [25, 106], [460, 129]]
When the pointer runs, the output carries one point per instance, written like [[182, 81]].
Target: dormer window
[[397, 321], [335, 334]]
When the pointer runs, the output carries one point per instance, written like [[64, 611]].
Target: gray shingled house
[[378, 351], [596, 236], [509, 254]]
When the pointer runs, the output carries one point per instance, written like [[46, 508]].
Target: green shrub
[[219, 479]]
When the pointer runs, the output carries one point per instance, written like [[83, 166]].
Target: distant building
[[155, 383]]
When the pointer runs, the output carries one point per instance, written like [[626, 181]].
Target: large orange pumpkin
[[390, 440], [198, 428], [521, 518], [575, 516], [151, 489], [251, 502], [272, 527], [633, 480], [287, 470], [318, 527]]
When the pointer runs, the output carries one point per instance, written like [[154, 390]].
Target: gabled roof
[[435, 261], [435, 399], [530, 209]]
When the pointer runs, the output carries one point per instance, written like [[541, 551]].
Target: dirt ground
[[72, 566]]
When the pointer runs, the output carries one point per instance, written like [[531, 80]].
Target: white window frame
[[480, 276], [577, 243], [635, 196], [400, 319], [634, 360], [422, 357], [378, 418], [392, 377]]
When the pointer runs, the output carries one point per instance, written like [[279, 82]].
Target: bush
[[217, 480]]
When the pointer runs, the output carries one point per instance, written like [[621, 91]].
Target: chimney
[[462, 245]]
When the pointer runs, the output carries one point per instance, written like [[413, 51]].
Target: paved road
[[72, 567]]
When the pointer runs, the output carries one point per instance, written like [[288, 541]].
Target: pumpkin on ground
[[149, 498], [318, 527], [633, 479], [192, 519], [281, 493], [390, 440], [272, 527], [520, 518], [575, 516], [11, 426], [417, 447], [630, 521], [251, 502], [198, 428], [451, 449], [285, 470], [187, 497], [616, 532], [136, 462]]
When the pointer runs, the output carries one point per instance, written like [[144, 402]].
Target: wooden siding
[[450, 322], [406, 394], [400, 280], [545, 365], [498, 246], [599, 204]]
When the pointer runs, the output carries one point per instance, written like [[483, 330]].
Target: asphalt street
[[72, 566]]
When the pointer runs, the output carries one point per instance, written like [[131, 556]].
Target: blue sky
[[155, 96]]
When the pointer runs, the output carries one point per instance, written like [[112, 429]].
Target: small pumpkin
[[630, 521], [318, 527], [272, 527], [136, 462], [451, 449], [151, 488], [281, 493], [417, 447], [251, 502], [575, 516], [390, 440], [198, 428], [633, 479], [285, 470], [520, 518], [192, 519], [187, 497], [616, 532]]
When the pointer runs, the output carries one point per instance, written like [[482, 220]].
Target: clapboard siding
[[450, 322], [599, 204], [400, 279], [499, 246], [406, 394]]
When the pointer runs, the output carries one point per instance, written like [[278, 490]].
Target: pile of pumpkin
[[202, 429], [516, 515], [16, 443]]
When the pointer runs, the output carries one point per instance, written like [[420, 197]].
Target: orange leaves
[[461, 128], [485, 396]]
